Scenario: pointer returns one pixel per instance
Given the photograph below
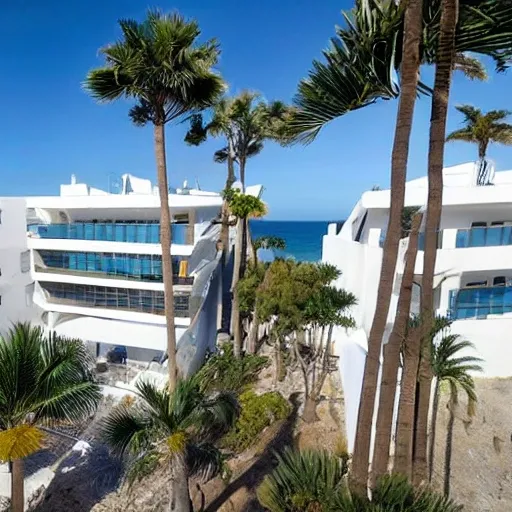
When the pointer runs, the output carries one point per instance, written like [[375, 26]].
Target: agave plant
[[313, 481], [303, 481]]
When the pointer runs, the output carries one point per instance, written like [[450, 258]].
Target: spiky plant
[[175, 428], [43, 379], [312, 481], [303, 481]]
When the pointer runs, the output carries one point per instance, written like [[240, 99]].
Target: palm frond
[[204, 461]]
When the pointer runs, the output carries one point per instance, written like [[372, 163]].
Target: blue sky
[[51, 128]]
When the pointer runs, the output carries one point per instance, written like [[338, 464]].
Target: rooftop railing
[[132, 232], [479, 302], [484, 236], [140, 267]]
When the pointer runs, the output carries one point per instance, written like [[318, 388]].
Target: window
[[499, 281], [0, 216], [25, 261], [474, 284], [0, 300]]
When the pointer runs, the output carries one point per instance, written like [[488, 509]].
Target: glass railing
[[141, 267], [143, 301], [484, 237], [480, 302], [144, 233]]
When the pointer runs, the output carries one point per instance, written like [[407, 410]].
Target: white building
[[473, 273], [88, 264]]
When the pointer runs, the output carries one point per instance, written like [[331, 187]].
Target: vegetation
[[243, 207], [224, 372], [160, 65], [44, 379], [303, 481], [483, 129], [177, 428], [256, 413], [313, 481], [267, 242], [357, 72], [453, 369], [302, 309]]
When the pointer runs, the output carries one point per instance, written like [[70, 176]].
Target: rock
[[101, 365], [5, 504]]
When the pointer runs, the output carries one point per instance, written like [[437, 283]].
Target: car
[[117, 354]]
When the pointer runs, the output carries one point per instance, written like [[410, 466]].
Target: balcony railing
[[132, 232], [138, 267], [484, 237], [143, 301], [480, 302]]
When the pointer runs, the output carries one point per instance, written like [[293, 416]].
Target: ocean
[[303, 238]]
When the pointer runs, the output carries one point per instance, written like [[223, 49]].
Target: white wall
[[15, 286], [493, 343]]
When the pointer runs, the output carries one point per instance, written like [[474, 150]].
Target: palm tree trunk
[[433, 426], [392, 359], [440, 99], [406, 404], [409, 74], [180, 496], [224, 233], [236, 328], [165, 241], [252, 339], [243, 259], [448, 448], [17, 486], [242, 173]]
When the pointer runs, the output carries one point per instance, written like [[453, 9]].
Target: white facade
[[87, 263], [473, 274]]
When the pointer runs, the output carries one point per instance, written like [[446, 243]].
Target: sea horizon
[[303, 237]]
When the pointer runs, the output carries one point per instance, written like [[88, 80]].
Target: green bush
[[224, 372], [312, 481], [303, 481], [257, 412]]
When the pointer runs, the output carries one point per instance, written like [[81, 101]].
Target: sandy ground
[[481, 476]]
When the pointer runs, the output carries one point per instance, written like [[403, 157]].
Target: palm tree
[[159, 64], [43, 379], [267, 242], [242, 206], [483, 129], [442, 83], [176, 428], [451, 368], [357, 72]]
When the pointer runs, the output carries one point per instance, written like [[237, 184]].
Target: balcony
[[492, 236], [132, 232], [141, 301], [147, 268], [479, 302]]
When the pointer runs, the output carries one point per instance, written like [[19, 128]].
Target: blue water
[[303, 238]]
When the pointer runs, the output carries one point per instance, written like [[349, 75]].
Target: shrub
[[224, 372], [312, 481], [303, 481], [257, 412]]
